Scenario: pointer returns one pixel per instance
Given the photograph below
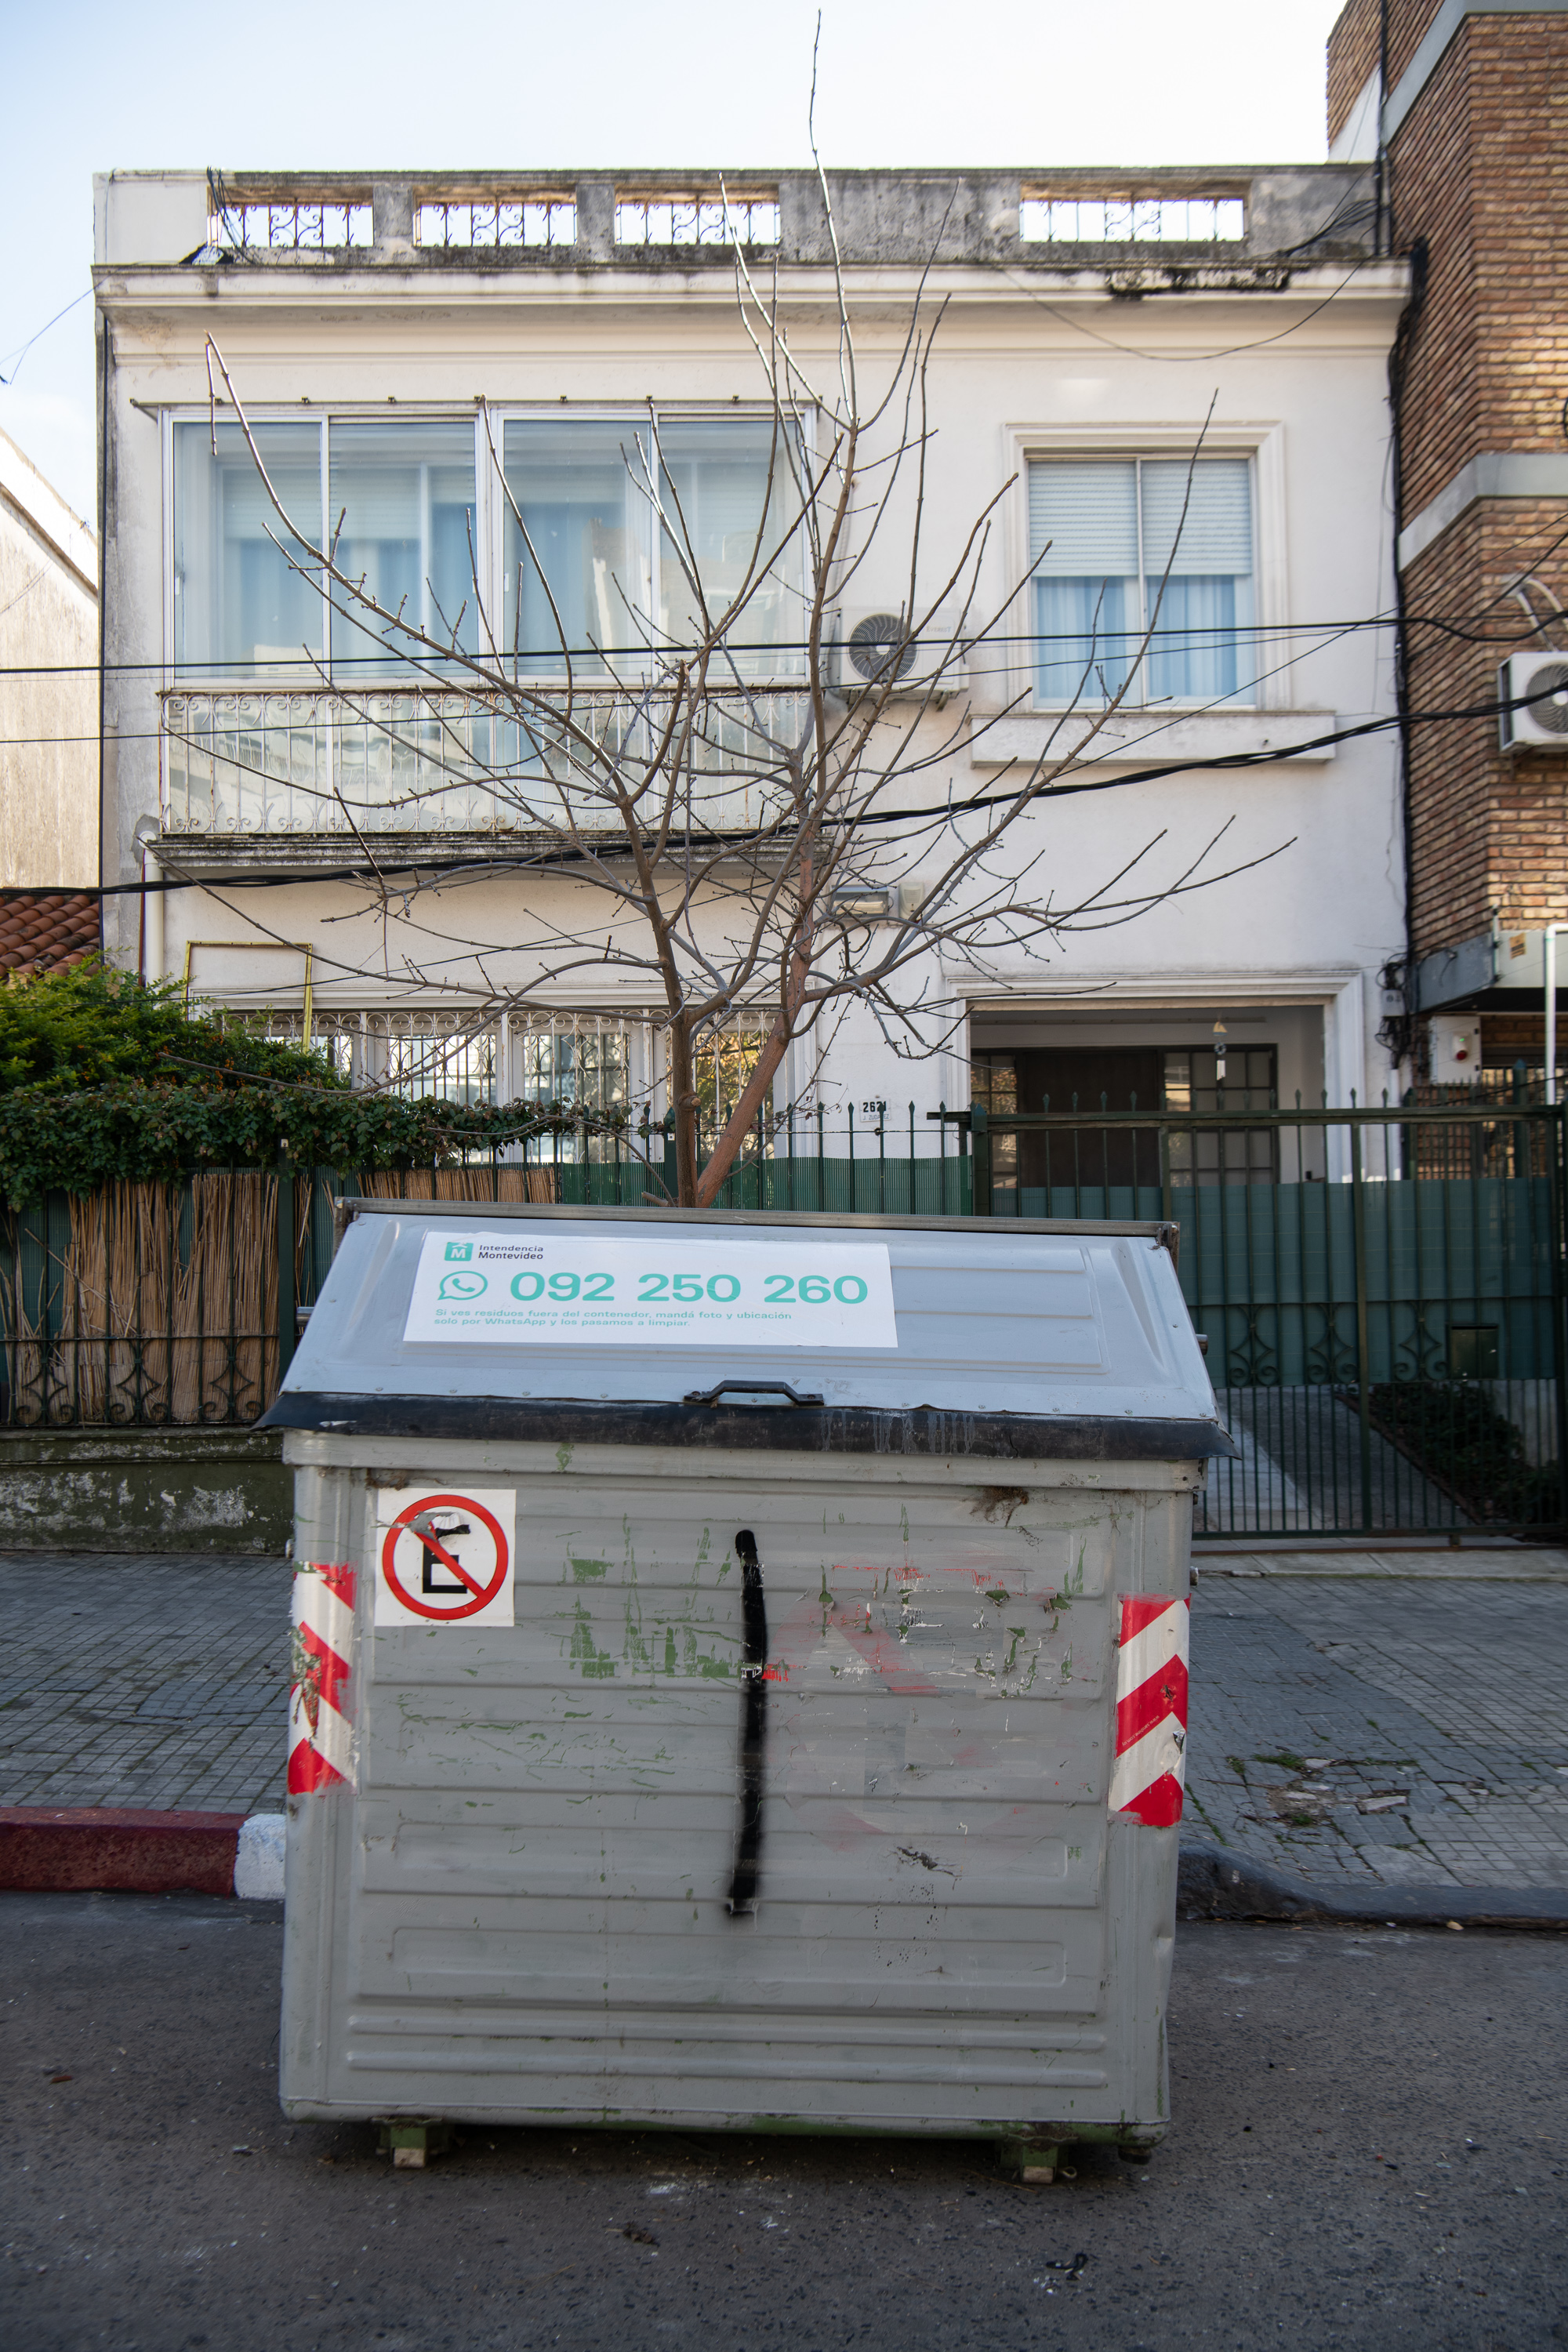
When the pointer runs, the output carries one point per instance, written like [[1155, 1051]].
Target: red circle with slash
[[479, 1595]]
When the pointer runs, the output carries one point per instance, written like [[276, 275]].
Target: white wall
[[1298, 378], [49, 685]]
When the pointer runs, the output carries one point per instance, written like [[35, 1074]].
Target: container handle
[[749, 1388]]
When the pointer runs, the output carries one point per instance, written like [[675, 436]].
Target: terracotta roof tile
[[48, 930]]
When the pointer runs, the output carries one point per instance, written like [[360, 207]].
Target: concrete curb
[[1213, 1884], [103, 1848]]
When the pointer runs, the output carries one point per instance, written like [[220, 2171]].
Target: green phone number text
[[779, 1289]]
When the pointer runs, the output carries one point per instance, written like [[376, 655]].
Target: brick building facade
[[1471, 98]]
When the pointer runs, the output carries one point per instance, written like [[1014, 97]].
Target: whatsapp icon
[[463, 1286]]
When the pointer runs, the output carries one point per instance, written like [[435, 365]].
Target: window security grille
[[1132, 220], [288, 228], [699, 220], [604, 1065], [412, 1053], [524, 221]]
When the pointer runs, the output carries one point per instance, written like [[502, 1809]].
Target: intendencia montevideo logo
[[463, 1283]]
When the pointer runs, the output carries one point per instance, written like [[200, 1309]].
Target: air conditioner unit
[[879, 652], [1532, 698]]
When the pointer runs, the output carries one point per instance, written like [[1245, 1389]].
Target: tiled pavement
[[161, 1682], [128, 1680], [1312, 1695]]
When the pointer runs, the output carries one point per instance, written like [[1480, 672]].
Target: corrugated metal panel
[[546, 1816], [521, 1902]]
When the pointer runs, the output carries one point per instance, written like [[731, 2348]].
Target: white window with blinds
[[1141, 572]]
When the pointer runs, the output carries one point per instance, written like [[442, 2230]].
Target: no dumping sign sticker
[[445, 1559]]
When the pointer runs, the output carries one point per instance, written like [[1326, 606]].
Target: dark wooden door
[[1127, 1077]]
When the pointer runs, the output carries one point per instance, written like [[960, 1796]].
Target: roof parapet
[[1165, 223]]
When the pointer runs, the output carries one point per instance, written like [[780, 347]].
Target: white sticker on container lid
[[534, 1290]]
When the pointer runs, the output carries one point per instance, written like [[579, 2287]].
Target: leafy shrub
[[60, 1031], [103, 1078], [1453, 1430]]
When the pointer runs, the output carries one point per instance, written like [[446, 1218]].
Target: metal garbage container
[[740, 1672]]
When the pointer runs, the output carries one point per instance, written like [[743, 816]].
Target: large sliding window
[[402, 502], [620, 534], [1122, 549], [247, 601], [605, 540]]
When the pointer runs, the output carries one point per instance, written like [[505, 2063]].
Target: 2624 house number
[[724, 1289]]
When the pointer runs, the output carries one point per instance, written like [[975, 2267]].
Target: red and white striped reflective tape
[[1151, 1709], [321, 1753]]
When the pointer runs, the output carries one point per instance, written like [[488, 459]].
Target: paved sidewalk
[[1435, 1701], [128, 1680], [1407, 1731], [1511, 1563]]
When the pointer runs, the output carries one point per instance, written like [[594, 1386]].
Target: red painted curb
[[83, 1847]]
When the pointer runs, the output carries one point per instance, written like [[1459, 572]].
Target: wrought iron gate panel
[[1385, 1330]]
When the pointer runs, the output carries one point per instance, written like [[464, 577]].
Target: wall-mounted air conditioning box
[[1533, 701]]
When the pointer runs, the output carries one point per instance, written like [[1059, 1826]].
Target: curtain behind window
[[401, 500], [241, 607], [1101, 534]]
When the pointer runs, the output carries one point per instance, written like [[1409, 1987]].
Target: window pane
[[1083, 548], [404, 494], [1239, 1155], [994, 1086], [589, 524], [1087, 633], [1216, 535], [241, 607], [577, 1068], [1201, 649], [728, 488]]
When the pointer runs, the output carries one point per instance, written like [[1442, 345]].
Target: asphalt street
[[1368, 2149]]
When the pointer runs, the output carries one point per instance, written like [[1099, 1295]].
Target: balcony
[[243, 763]]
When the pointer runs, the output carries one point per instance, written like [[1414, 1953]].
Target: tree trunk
[[684, 1102]]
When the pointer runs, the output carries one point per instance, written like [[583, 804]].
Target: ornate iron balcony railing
[[313, 761]]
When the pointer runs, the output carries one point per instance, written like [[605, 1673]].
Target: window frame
[[1261, 443], [492, 513]]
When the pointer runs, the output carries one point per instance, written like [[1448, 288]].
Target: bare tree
[[737, 794]]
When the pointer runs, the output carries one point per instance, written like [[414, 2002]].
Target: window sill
[[1144, 738]]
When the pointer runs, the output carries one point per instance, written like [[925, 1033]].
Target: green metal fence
[[1381, 1291]]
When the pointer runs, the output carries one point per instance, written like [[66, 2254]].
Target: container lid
[[922, 1335]]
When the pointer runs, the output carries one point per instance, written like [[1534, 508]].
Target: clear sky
[[92, 86]]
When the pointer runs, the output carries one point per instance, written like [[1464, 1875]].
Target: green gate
[[1381, 1292]]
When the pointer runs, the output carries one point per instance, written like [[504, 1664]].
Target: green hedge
[[103, 1078], [153, 1133]]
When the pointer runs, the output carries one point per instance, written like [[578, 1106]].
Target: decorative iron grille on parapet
[[306, 226], [499, 222], [1132, 220], [697, 220]]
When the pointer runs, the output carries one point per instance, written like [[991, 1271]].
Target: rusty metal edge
[[99, 1849]]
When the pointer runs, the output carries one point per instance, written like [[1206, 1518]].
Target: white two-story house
[[428, 359]]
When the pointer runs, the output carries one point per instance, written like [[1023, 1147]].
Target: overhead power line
[[937, 811]]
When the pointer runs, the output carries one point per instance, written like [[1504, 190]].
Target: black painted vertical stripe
[[753, 1728]]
